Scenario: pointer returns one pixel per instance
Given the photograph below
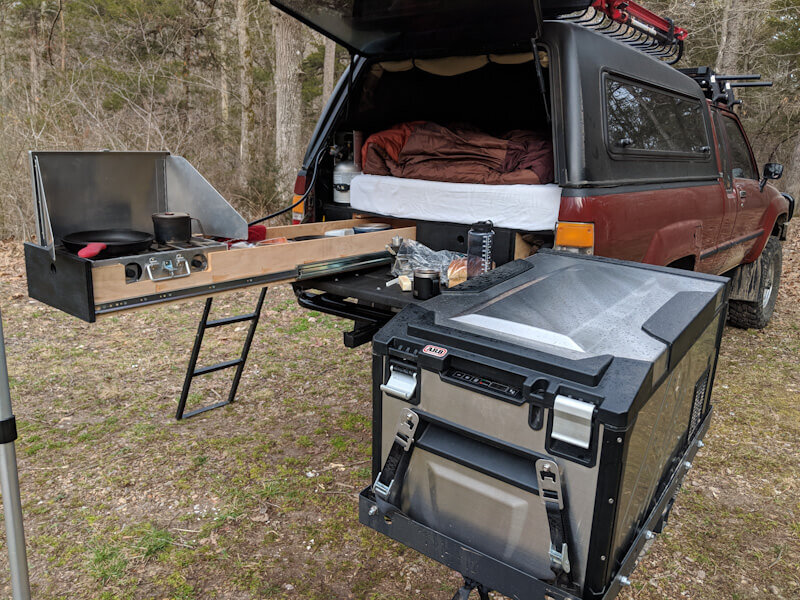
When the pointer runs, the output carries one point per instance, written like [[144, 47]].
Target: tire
[[756, 315]]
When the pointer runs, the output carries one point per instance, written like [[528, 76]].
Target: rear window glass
[[641, 119]]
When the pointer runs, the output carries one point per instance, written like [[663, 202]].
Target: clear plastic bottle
[[479, 248]]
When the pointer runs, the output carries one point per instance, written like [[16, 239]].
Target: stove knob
[[133, 271], [199, 262]]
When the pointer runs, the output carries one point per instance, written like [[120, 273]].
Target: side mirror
[[771, 171]]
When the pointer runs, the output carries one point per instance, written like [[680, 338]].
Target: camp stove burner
[[167, 261]]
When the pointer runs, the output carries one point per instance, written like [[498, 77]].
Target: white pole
[[9, 486]]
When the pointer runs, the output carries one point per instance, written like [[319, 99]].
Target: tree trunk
[[3, 75], [245, 91], [733, 18], [34, 59], [188, 25], [792, 183], [288, 37], [328, 70], [63, 39], [224, 88]]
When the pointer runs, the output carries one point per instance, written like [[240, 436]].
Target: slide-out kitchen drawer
[[86, 290]]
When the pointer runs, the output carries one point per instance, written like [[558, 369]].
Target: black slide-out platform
[[365, 286]]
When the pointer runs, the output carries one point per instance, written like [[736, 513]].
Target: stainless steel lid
[[426, 274]]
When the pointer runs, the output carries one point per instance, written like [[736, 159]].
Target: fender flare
[[675, 241], [790, 200], [771, 216]]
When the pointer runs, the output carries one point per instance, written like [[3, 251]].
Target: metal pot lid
[[426, 274], [171, 215]]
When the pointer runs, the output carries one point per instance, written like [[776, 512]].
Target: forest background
[[236, 87]]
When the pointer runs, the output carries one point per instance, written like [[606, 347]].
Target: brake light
[[575, 237], [299, 211]]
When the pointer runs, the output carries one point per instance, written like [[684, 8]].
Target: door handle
[[742, 194]]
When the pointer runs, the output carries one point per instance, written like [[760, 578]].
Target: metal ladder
[[192, 371]]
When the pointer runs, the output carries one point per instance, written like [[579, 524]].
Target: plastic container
[[339, 232], [480, 240]]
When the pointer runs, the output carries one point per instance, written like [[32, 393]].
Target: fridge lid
[[399, 29], [578, 308]]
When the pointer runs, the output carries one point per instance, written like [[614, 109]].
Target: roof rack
[[719, 88], [636, 26]]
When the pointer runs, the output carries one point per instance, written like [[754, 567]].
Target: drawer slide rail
[[367, 320]]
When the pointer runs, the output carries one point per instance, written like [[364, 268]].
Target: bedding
[[458, 154], [521, 207]]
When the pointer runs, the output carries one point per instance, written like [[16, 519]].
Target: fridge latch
[[572, 421], [400, 385]]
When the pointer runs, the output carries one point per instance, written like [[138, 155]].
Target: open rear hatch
[[399, 29]]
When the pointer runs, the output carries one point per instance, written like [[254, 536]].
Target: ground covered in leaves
[[259, 499]]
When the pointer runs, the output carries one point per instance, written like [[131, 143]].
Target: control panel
[[484, 383]]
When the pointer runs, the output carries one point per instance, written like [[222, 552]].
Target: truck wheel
[[756, 315]]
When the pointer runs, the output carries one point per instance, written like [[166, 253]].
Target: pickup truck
[[651, 162]]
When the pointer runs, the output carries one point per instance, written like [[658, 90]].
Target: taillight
[[575, 237], [299, 211]]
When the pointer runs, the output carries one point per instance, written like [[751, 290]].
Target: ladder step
[[205, 409], [230, 320], [217, 367]]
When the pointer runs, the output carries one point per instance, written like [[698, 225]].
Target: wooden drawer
[[87, 290], [249, 266]]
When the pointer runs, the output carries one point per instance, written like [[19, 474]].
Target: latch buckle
[[549, 479], [548, 476], [403, 440], [381, 489], [406, 428], [560, 560]]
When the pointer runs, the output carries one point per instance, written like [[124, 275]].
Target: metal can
[[427, 283]]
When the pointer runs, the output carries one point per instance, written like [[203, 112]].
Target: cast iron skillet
[[107, 242]]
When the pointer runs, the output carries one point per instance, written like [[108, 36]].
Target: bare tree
[[34, 59], [63, 38], [4, 77], [245, 91], [288, 38], [792, 183], [328, 69], [224, 88], [726, 53]]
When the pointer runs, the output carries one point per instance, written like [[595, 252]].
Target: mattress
[[523, 207]]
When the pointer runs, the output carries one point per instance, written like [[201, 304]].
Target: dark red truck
[[650, 162]]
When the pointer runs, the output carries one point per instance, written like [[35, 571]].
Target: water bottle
[[479, 248]]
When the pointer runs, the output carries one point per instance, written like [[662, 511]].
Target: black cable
[[302, 198]]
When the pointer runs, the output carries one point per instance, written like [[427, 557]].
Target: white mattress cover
[[523, 207]]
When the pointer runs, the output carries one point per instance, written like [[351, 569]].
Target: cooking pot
[[173, 227]]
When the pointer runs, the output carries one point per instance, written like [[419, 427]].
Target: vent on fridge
[[698, 403]]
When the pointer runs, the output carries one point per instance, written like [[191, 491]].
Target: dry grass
[[258, 500]]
